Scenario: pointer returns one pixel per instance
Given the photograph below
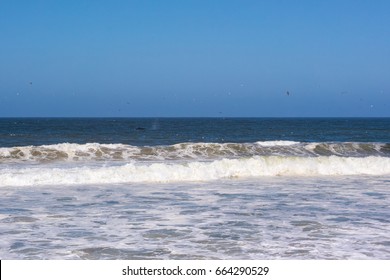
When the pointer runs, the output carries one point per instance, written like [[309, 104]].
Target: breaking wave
[[94, 163], [176, 171], [185, 151]]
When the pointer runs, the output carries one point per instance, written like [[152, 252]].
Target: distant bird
[[288, 93], [30, 83]]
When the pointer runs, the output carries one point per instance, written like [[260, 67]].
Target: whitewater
[[194, 189], [93, 163]]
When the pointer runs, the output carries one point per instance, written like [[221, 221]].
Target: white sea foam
[[70, 152], [276, 143], [195, 170]]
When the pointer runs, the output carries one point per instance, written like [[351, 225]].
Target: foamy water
[[72, 152], [194, 189], [93, 163], [194, 170], [267, 218]]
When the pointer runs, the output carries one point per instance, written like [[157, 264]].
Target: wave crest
[[184, 151], [197, 171]]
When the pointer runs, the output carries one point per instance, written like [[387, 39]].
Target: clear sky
[[77, 58]]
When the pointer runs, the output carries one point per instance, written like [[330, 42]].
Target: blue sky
[[194, 58]]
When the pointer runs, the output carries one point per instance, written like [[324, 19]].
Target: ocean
[[195, 188]]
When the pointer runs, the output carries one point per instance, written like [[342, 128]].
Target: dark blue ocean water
[[168, 131]]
